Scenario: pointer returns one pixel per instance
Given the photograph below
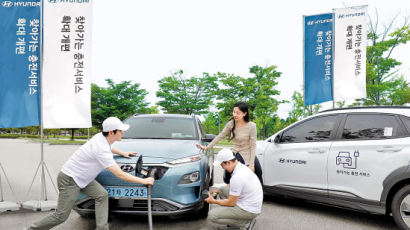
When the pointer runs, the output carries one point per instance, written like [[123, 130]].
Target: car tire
[[203, 212], [401, 207]]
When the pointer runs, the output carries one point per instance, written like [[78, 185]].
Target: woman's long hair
[[242, 106]]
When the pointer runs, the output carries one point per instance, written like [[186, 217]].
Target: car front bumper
[[160, 207]]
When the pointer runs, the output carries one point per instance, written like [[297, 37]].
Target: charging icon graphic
[[348, 161]]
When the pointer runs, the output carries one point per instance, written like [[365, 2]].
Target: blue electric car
[[168, 142]]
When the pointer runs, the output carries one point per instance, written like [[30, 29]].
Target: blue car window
[[160, 128]]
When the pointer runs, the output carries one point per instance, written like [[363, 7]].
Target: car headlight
[[185, 160], [190, 178]]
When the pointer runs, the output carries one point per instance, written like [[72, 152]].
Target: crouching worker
[[241, 201], [79, 172]]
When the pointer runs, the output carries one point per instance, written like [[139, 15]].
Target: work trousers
[[68, 193], [233, 216]]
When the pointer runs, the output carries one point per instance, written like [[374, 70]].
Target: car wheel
[[203, 212], [401, 207]]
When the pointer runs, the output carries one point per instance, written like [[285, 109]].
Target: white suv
[[356, 158]]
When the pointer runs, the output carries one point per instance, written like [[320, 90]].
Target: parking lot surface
[[20, 159]]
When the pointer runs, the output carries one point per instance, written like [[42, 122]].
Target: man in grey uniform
[[242, 200], [79, 172]]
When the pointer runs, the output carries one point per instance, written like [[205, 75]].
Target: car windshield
[[160, 128]]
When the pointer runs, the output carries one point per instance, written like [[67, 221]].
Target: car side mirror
[[277, 139], [208, 137]]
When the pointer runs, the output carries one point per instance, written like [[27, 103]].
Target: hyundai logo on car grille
[[7, 3], [127, 168]]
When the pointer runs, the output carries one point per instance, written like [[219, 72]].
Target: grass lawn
[[58, 141]]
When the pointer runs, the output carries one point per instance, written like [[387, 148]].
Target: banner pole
[[43, 204], [303, 63], [333, 61], [43, 181], [43, 177]]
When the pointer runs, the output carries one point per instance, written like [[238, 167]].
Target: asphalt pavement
[[20, 159]]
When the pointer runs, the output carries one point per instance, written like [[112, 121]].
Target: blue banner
[[19, 63], [318, 58]]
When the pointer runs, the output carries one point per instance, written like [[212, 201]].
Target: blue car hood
[[156, 151]]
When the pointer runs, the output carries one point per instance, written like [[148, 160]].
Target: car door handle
[[388, 149], [316, 150]]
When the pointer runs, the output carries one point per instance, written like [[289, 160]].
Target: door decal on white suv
[[348, 161]]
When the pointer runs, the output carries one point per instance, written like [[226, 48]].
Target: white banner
[[350, 53], [66, 64]]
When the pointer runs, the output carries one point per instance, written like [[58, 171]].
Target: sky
[[144, 41]]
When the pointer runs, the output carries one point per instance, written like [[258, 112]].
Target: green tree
[[278, 124], [211, 123], [183, 95], [153, 109], [120, 100], [384, 86], [299, 109], [258, 91]]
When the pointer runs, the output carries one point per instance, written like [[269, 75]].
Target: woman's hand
[[202, 147], [252, 168]]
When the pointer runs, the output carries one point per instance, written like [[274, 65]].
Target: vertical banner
[[350, 53], [66, 64], [19, 63], [318, 59]]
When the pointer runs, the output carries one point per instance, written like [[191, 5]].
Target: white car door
[[370, 146], [299, 159]]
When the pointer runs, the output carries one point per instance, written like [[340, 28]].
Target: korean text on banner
[[66, 67], [19, 63], [318, 34], [350, 53]]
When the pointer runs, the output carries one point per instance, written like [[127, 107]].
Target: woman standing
[[243, 134]]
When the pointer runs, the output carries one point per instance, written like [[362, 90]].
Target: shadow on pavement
[[332, 212]]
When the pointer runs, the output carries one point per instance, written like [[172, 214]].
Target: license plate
[[127, 192]]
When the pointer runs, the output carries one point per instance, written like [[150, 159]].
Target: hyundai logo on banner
[[21, 3], [7, 4], [69, 1], [309, 23]]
